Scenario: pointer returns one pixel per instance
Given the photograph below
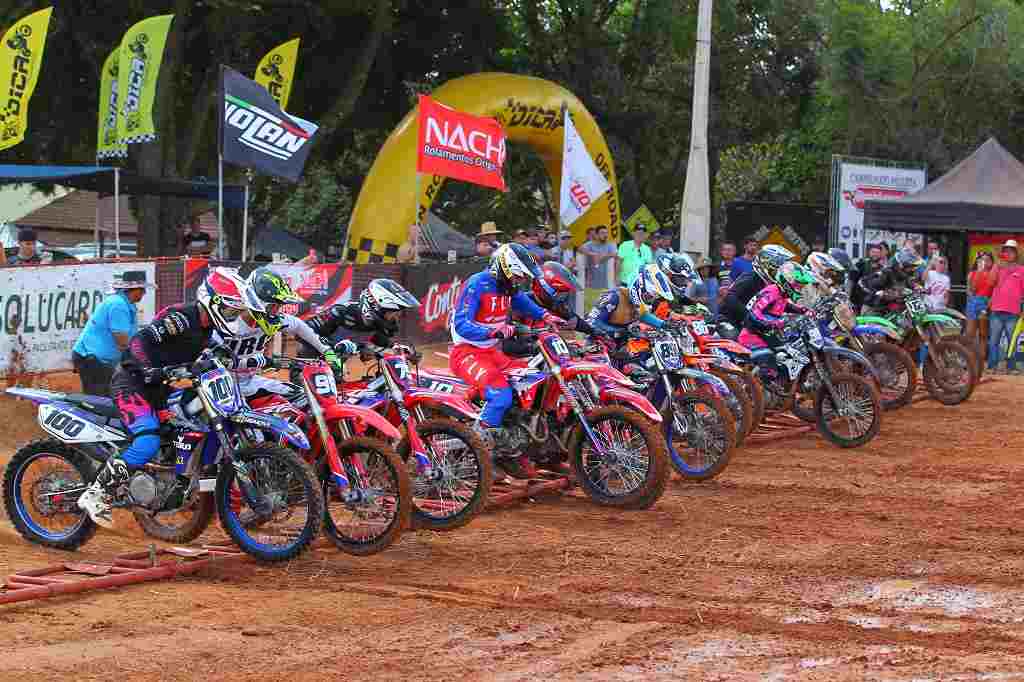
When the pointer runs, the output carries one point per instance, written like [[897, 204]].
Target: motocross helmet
[[275, 292], [792, 278], [680, 271], [826, 267], [650, 286], [513, 267], [905, 264], [841, 257], [560, 283], [225, 296], [769, 259], [383, 301]]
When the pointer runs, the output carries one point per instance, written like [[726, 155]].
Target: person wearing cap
[[108, 331], [706, 291], [566, 254], [487, 239], [661, 244], [1005, 306], [27, 253], [633, 255]]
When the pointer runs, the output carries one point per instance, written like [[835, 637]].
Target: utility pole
[[695, 216]]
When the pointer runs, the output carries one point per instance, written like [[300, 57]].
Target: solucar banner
[[21, 57], [44, 309], [456, 145], [856, 184], [142, 53]]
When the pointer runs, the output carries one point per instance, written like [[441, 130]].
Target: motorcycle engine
[[151, 490]]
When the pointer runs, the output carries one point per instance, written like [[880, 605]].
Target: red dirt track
[[898, 561]]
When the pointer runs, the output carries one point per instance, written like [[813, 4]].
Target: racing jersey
[[613, 313], [481, 311], [176, 336], [250, 342], [734, 305], [767, 308], [348, 316]]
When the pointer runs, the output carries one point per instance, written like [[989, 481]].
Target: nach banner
[[460, 146]]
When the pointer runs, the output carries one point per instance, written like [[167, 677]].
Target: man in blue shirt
[[744, 263], [108, 331]]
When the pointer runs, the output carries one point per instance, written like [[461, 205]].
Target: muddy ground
[[899, 561]]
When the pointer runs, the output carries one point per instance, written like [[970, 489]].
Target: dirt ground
[[899, 561]]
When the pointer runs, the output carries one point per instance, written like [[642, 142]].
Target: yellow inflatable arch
[[530, 111]]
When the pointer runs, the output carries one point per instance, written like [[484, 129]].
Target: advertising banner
[[320, 285], [21, 57], [461, 146], [276, 71], [582, 181], [142, 53], [853, 185], [44, 309], [256, 133], [107, 144], [437, 287]]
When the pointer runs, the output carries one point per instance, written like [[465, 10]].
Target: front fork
[[424, 466]]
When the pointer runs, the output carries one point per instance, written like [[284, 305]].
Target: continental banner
[[437, 287], [43, 310], [276, 71], [21, 57], [107, 144], [142, 52]]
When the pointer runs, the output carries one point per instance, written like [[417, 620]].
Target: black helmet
[[906, 263], [841, 257], [513, 267], [679, 269], [383, 296]]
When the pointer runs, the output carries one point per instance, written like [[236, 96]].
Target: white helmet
[[224, 295], [513, 266], [383, 296], [650, 285]]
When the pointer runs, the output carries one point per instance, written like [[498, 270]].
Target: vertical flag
[[582, 182], [276, 71], [21, 56], [142, 51], [457, 145], [107, 144]]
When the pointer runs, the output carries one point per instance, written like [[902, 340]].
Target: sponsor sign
[[461, 146], [859, 183], [582, 180], [107, 143], [21, 57], [257, 133], [142, 52], [276, 71], [437, 287], [44, 309]]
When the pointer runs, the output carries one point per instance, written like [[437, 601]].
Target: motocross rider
[[766, 264], [766, 311], [554, 291], [176, 336], [884, 287], [679, 269], [618, 308], [378, 311], [829, 275], [480, 323]]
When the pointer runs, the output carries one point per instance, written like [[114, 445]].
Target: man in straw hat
[[108, 331], [487, 239]]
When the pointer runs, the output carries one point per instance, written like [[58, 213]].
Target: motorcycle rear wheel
[[896, 364], [640, 492], [956, 383]]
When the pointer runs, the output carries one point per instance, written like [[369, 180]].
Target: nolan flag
[[107, 144], [582, 181], [276, 71], [21, 56], [258, 134], [461, 146], [142, 52]]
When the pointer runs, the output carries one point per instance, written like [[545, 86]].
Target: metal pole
[[419, 226], [245, 218], [117, 210], [220, 206], [695, 215]]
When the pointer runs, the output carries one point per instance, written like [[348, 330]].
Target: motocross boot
[[98, 499]]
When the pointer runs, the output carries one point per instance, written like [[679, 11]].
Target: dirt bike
[[840, 399], [206, 447], [366, 487], [571, 410], [951, 371], [449, 463], [700, 430]]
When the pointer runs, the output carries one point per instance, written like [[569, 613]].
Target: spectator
[[566, 254], [409, 251], [534, 238], [707, 291], [936, 284], [311, 258], [195, 242], [745, 263], [108, 332], [28, 253], [661, 244], [633, 255], [728, 253], [522, 237], [487, 240], [910, 244], [865, 267], [1007, 296], [818, 245], [600, 254], [980, 283]]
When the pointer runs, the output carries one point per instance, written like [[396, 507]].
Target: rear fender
[[624, 395], [852, 355], [876, 320], [875, 330], [454, 406], [358, 414], [268, 422]]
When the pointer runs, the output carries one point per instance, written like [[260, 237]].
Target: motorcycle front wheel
[[700, 433], [854, 417], [285, 482], [739, 405], [625, 464]]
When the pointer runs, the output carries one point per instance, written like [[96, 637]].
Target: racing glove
[[333, 360], [552, 320]]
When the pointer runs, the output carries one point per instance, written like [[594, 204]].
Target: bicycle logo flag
[[257, 133], [21, 56], [456, 145]]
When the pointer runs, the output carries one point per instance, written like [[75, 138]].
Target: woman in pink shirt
[[1005, 307]]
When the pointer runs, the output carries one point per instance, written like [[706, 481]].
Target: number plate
[[700, 329], [814, 335], [915, 305], [324, 384], [558, 346], [221, 389]]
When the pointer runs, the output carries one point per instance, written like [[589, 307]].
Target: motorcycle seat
[[762, 356], [104, 407]]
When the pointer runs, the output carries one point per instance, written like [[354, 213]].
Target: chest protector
[[625, 312]]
